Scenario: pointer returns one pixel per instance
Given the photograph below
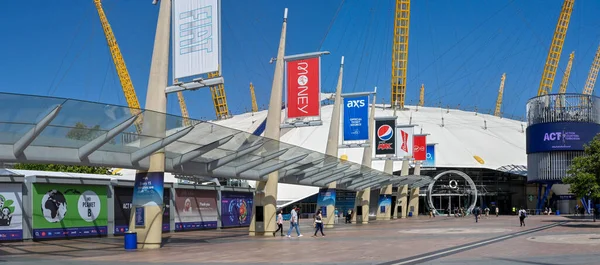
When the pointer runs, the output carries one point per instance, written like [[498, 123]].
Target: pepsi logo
[[385, 132]]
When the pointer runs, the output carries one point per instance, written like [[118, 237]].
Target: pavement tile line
[[457, 249]]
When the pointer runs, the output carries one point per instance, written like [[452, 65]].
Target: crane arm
[[400, 52], [592, 75], [253, 96], [565, 80], [556, 48], [126, 84], [500, 94], [219, 98]]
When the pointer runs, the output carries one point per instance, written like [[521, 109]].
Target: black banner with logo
[[123, 196], [385, 138]]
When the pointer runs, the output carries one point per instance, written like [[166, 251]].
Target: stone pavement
[[441, 240]]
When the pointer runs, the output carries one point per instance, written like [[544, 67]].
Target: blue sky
[[458, 49]]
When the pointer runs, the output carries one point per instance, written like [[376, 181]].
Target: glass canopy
[[36, 129]]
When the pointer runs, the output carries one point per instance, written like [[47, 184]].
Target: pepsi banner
[[405, 140], [356, 118], [385, 140], [560, 136]]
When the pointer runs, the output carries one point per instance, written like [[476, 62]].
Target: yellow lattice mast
[[253, 96], [125, 79], [422, 96], [565, 80], [593, 74], [219, 98], [556, 48], [184, 111], [400, 52], [497, 112]]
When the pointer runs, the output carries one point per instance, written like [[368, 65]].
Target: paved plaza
[[441, 240]]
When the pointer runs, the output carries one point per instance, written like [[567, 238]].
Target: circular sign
[[385, 132], [302, 80], [453, 184], [54, 206], [88, 206]]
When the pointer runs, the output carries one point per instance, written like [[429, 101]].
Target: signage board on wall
[[148, 189], [11, 211], [123, 206], [236, 208], [420, 147], [404, 138], [69, 210], [429, 157], [195, 209], [559, 136]]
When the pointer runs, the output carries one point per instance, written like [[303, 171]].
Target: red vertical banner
[[303, 91], [420, 147]]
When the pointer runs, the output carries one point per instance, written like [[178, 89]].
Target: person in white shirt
[[279, 223], [318, 223], [294, 222], [522, 216]]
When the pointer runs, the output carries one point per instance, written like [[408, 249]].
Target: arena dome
[[463, 139]]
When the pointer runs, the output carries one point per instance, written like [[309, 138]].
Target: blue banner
[[385, 201], [356, 118], [560, 136], [148, 189], [430, 156], [70, 232], [325, 198], [140, 218]]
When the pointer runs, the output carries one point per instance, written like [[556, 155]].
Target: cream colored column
[[150, 236], [402, 201], [266, 191], [414, 193], [333, 139], [363, 197]]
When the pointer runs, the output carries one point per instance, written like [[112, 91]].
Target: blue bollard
[[130, 240], [409, 214]]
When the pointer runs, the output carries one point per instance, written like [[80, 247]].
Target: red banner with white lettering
[[420, 147], [303, 91]]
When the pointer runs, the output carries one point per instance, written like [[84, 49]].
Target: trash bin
[[557, 212], [409, 214], [130, 240]]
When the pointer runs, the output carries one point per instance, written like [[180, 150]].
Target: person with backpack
[[522, 216]]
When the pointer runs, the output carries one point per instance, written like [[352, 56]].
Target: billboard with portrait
[[195, 209], [236, 208], [61, 210]]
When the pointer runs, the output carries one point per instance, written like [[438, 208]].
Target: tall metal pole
[[266, 195], [333, 139], [150, 235], [363, 197]]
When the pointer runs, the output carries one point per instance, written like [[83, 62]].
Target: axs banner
[[385, 140], [303, 88], [123, 206]]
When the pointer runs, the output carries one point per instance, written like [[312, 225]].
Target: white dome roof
[[464, 135]]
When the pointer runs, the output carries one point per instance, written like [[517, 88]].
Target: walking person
[[318, 223], [476, 212], [279, 223], [522, 216], [294, 222], [497, 211]]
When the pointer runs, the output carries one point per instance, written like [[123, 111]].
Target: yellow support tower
[[422, 96], [253, 96], [556, 48], [219, 98], [184, 111], [130, 96], [400, 52], [500, 93], [565, 80], [592, 75]]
